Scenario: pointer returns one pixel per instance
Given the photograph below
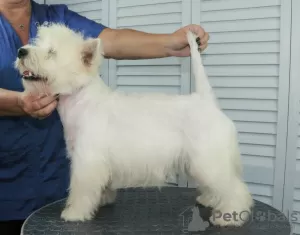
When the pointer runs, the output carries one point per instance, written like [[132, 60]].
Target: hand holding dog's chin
[[36, 105]]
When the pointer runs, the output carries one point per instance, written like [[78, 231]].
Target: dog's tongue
[[26, 73]]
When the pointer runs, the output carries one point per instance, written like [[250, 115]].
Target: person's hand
[[37, 106], [178, 44]]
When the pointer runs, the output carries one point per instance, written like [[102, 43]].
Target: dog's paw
[[206, 200], [202, 201], [72, 215]]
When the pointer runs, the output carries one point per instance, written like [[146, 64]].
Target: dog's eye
[[51, 51]]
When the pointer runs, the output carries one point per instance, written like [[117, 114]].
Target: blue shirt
[[34, 169]]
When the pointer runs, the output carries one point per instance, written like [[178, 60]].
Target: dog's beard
[[36, 86]]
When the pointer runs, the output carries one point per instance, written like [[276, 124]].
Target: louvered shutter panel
[[248, 67], [91, 9], [97, 10], [291, 206], [169, 75], [296, 198]]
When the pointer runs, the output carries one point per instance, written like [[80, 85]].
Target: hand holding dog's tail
[[201, 80]]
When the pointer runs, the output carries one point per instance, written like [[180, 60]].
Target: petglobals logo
[[262, 216]]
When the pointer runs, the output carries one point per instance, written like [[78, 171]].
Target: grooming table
[[138, 211]]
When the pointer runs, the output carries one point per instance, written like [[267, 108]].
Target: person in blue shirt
[[33, 163]]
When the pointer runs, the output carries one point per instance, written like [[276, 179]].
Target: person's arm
[[132, 44], [9, 103], [14, 103]]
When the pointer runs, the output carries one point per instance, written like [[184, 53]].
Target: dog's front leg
[[89, 178]]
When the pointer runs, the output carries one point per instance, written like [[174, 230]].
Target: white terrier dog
[[117, 140]]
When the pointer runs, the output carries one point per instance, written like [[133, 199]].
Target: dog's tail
[[202, 85]]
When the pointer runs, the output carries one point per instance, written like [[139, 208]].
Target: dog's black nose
[[22, 52]]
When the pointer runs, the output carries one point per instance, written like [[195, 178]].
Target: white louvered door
[[248, 64], [295, 209], [291, 205], [296, 198], [97, 10], [169, 75]]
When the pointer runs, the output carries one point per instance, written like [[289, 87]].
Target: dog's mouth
[[30, 76], [36, 83]]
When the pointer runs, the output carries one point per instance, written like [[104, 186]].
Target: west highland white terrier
[[117, 140]]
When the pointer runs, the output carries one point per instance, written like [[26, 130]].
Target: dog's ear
[[91, 49]]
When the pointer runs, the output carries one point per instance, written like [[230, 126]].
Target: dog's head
[[59, 60]]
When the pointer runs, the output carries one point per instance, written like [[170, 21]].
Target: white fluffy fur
[[118, 140]]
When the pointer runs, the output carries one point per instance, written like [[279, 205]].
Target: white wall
[[253, 64]]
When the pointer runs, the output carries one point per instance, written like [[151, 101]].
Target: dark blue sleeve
[[87, 27]]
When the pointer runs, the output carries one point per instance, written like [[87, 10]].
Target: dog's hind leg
[[225, 193], [89, 178], [216, 171], [108, 197]]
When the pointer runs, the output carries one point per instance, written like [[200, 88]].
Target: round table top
[[171, 210]]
